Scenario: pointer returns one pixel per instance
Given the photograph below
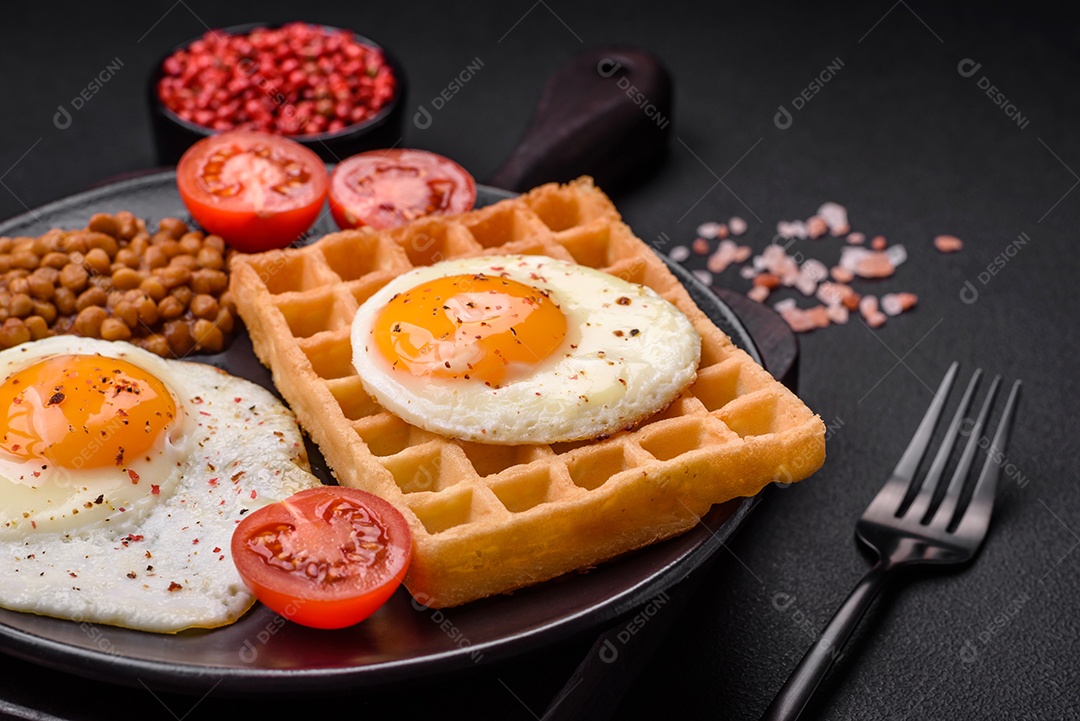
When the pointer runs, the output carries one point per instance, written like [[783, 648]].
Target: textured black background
[[910, 146]]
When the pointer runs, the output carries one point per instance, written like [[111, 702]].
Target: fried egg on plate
[[122, 477], [521, 349]]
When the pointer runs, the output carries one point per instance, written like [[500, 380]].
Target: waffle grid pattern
[[489, 519]]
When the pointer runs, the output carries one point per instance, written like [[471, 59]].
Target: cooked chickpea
[[103, 223], [102, 241], [127, 225], [208, 337], [19, 284], [147, 311], [210, 258], [204, 306], [154, 288], [127, 258], [37, 326], [64, 300], [55, 259], [42, 284], [20, 305], [173, 276], [183, 294], [73, 277], [170, 308], [157, 344], [13, 332], [26, 259], [125, 278], [46, 310], [115, 329], [126, 311], [173, 226], [226, 320], [6, 244], [155, 257], [209, 281], [178, 334], [88, 321], [191, 243], [92, 296], [97, 261], [216, 242]]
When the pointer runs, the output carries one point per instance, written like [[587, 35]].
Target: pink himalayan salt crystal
[[841, 275], [708, 230], [856, 238], [838, 314], [948, 243], [880, 242], [759, 293], [704, 276], [742, 254], [791, 229], [835, 216], [897, 303], [679, 253], [737, 225], [868, 305], [874, 265], [816, 227], [700, 246], [876, 320]]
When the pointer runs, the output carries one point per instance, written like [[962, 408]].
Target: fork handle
[[804, 680]]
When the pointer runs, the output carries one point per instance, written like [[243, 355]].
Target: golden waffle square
[[490, 519]]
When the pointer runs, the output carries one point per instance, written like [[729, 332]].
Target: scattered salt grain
[[948, 243], [897, 254], [875, 265], [816, 227], [748, 272], [897, 303], [815, 269], [838, 314], [704, 276], [785, 304], [679, 253], [841, 275], [791, 229], [758, 293], [880, 242], [708, 230], [737, 225], [835, 216], [700, 246], [856, 238]]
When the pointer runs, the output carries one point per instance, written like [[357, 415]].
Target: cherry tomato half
[[256, 190], [388, 188], [325, 557]]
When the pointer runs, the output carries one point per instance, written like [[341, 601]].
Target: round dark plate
[[261, 653]]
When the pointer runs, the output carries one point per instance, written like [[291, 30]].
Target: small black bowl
[[173, 135]]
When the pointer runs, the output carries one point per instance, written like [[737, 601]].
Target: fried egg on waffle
[[521, 349]]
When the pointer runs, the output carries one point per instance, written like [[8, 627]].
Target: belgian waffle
[[490, 519]]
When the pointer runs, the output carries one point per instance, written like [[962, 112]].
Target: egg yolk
[[83, 411], [472, 326]]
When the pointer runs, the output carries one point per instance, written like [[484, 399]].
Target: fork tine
[[916, 449], [892, 495], [922, 501], [947, 508], [977, 516]]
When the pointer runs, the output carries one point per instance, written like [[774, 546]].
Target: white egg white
[[167, 567], [627, 354]]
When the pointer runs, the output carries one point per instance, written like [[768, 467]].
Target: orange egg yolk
[[472, 326], [83, 411]]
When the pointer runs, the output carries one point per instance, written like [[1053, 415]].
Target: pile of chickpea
[[166, 292]]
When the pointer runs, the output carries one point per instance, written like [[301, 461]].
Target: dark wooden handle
[[606, 113]]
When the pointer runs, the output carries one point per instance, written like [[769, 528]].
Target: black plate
[[262, 654]]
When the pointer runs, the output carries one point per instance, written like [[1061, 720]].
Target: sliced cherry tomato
[[388, 188], [257, 191], [325, 557]]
